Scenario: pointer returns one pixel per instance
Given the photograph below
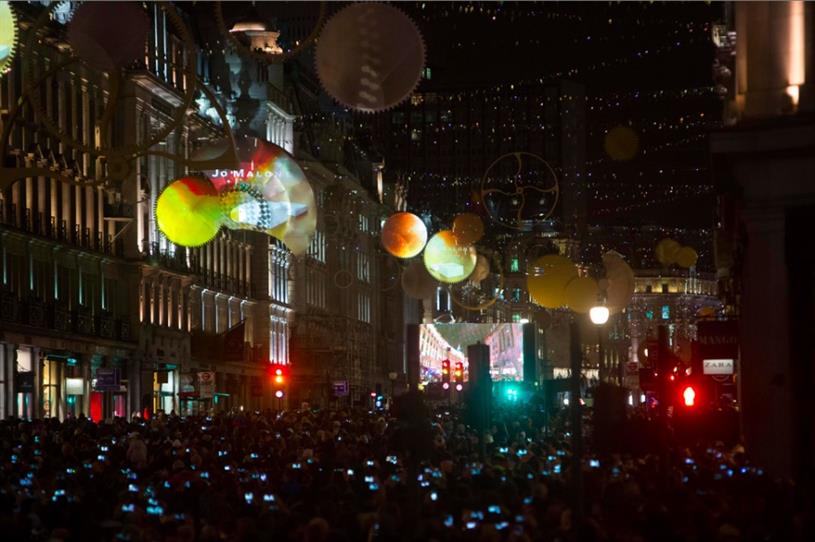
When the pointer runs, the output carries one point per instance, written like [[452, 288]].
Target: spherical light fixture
[[599, 315]]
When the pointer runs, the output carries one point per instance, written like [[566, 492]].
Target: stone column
[[86, 375], [771, 57], [764, 330]]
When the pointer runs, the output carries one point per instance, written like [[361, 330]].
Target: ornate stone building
[[101, 313]]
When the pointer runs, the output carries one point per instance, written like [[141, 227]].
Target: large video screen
[[450, 341]]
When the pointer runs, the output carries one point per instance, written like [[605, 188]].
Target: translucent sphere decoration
[[188, 211], [446, 261], [404, 235]]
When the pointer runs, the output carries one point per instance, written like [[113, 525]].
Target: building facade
[[676, 300], [99, 309], [764, 166]]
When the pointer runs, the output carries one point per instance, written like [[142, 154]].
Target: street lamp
[[392, 376], [599, 316]]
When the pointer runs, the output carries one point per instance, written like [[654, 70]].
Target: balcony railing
[[56, 316], [45, 226]]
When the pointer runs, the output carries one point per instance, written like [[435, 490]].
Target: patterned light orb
[[446, 261], [404, 235], [242, 210], [188, 211], [8, 35], [370, 56], [284, 204]]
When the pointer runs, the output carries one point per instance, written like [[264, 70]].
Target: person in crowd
[[340, 474]]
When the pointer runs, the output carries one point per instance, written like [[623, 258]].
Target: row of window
[[363, 307], [49, 281], [315, 288]]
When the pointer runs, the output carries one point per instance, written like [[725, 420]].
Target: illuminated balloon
[[274, 195], [581, 294], [417, 282], [188, 211], [404, 235], [667, 251], [446, 261], [621, 143], [468, 229], [686, 257], [370, 56], [547, 280]]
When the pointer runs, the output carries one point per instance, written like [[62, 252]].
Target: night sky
[[644, 65]]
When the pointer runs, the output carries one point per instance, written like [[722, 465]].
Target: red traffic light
[[459, 374], [445, 370], [689, 396], [279, 373]]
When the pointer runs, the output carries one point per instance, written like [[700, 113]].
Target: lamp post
[[599, 316], [392, 376]]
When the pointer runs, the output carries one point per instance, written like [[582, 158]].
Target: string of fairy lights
[[518, 126], [636, 188], [454, 181], [594, 39], [594, 103]]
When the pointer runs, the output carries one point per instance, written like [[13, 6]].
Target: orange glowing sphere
[[404, 235]]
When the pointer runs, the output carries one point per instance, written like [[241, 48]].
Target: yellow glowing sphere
[[547, 280], [686, 257], [622, 143], [404, 235], [188, 211], [446, 261], [667, 250], [581, 294]]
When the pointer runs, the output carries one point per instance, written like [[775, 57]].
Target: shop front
[[109, 388], [196, 392], [165, 388]]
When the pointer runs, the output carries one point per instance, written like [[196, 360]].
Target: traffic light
[[279, 379], [445, 371], [689, 396], [459, 372], [279, 374], [511, 394]]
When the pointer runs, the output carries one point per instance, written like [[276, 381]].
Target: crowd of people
[[321, 475]]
